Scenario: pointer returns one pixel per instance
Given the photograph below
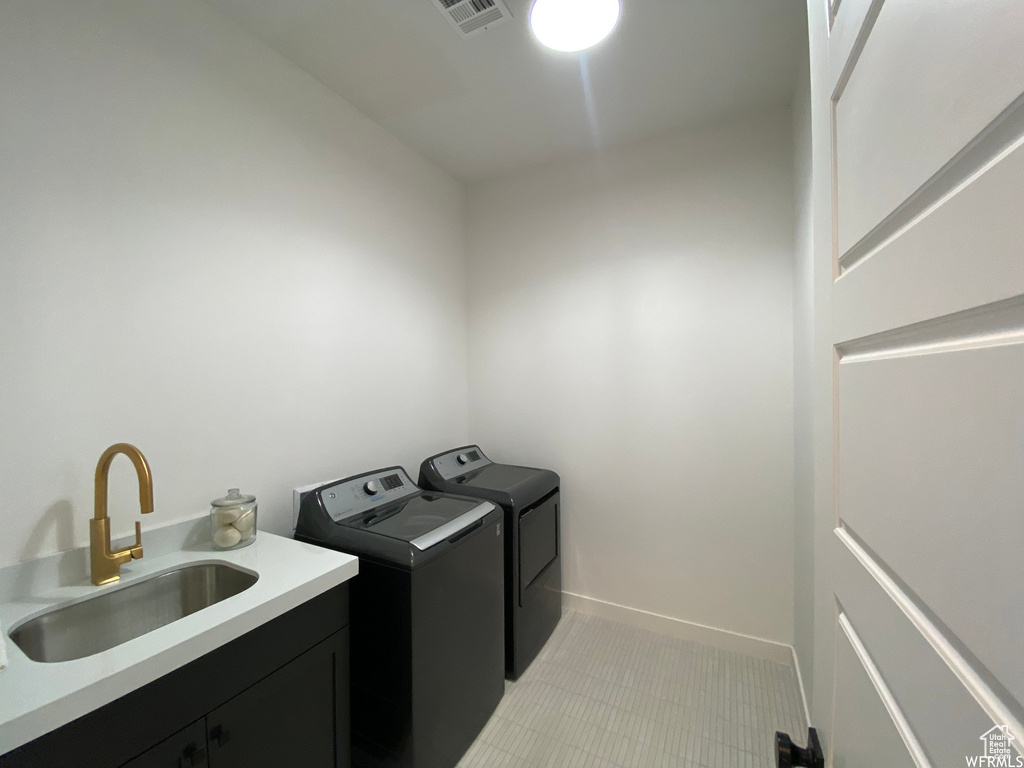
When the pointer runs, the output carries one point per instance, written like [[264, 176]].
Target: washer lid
[[412, 519]]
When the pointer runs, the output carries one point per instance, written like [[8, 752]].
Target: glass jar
[[233, 520]]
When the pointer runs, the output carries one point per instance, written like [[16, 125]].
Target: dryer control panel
[[459, 462], [357, 495]]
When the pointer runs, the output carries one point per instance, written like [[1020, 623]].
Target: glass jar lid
[[233, 499]]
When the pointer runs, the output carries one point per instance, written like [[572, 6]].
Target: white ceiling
[[498, 101]]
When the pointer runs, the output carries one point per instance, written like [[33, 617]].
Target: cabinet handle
[[221, 735], [192, 756]]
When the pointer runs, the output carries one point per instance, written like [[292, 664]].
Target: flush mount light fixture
[[572, 25]]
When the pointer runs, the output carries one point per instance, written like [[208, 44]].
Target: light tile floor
[[607, 695]]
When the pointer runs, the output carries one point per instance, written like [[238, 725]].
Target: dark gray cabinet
[[290, 718], [277, 696]]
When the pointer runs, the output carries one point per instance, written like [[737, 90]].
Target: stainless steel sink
[[120, 615]]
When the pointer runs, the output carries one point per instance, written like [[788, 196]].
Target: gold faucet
[[106, 565]]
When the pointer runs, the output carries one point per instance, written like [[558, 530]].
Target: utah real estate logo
[[997, 750]]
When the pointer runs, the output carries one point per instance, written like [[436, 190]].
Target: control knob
[[372, 487], [463, 458]]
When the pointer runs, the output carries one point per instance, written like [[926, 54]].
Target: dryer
[[427, 652], [531, 502]]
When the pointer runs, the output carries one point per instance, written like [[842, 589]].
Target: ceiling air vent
[[472, 16]]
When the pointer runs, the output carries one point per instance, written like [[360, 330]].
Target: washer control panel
[[459, 462], [349, 498]]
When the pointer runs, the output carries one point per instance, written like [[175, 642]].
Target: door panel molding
[[930, 463], [992, 325], [849, 35], [987, 148], [929, 80], [899, 720], [992, 704], [868, 727], [921, 271]]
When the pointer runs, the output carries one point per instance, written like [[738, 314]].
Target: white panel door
[[927, 180]]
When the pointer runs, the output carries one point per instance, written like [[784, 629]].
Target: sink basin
[[120, 615]]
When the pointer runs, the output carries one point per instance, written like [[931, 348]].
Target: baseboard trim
[[686, 630], [800, 682]]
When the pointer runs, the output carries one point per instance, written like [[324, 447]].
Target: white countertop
[[37, 697]]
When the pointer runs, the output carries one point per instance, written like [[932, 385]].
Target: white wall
[[206, 253], [803, 394], [631, 327]]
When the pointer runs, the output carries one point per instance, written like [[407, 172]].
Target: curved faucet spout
[[141, 469], [106, 565]]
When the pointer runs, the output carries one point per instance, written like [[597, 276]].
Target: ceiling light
[[572, 25]]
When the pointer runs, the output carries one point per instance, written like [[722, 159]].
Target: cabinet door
[[185, 749], [298, 716]]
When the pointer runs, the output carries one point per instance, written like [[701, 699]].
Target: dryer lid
[[500, 477]]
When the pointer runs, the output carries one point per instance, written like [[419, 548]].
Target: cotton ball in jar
[[226, 537], [245, 522], [226, 515]]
